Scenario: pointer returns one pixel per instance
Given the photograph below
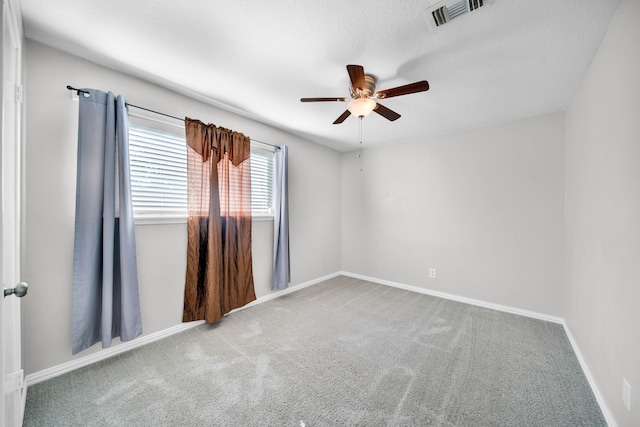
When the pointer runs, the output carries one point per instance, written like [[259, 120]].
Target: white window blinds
[[261, 182], [159, 172]]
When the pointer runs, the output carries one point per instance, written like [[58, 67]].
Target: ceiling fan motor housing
[[368, 90]]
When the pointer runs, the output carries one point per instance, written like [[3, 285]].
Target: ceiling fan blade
[[385, 112], [403, 90], [356, 74], [342, 118], [321, 99]]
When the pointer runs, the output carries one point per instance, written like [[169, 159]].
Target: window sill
[[262, 217], [155, 220]]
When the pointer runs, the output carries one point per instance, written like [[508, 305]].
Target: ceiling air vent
[[444, 11]]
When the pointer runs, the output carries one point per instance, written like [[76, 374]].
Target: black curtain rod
[[79, 91]]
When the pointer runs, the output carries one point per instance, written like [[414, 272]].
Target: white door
[[12, 404]]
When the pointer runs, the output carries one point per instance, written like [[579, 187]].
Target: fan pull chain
[[359, 155]]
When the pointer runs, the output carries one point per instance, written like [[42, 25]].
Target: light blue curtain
[[105, 300], [281, 267]]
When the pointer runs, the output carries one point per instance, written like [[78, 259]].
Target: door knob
[[20, 290]]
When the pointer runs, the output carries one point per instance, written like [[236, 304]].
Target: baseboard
[[608, 416], [479, 303], [80, 362], [66, 367], [278, 294]]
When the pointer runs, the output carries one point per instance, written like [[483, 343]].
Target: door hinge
[[19, 94], [14, 382]]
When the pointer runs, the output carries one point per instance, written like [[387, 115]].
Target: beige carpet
[[341, 353]]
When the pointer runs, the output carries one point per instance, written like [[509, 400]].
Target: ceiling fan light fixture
[[361, 107]]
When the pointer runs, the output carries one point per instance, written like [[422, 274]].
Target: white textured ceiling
[[508, 60]]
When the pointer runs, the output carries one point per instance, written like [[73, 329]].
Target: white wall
[[602, 258], [49, 198], [484, 207]]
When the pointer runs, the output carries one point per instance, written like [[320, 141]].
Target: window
[[158, 171], [261, 182], [158, 157]]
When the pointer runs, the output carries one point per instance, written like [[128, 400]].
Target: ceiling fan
[[363, 95]]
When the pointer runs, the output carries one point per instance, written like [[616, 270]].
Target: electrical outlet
[[626, 394], [432, 273]]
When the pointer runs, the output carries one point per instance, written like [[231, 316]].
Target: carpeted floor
[[341, 353]]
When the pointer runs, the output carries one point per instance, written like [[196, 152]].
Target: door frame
[[14, 391]]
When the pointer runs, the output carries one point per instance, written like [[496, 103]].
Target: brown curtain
[[219, 264]]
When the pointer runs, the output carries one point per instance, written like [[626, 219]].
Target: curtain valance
[[207, 138]]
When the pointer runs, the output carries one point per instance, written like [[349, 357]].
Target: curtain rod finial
[[78, 91]]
